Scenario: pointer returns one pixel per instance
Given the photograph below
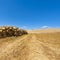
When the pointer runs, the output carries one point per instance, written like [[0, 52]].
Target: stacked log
[[0, 33], [7, 31]]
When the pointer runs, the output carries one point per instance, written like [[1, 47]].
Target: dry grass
[[34, 46], [44, 30]]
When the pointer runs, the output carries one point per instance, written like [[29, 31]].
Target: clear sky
[[30, 14]]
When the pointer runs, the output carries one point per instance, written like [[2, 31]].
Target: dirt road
[[28, 47]]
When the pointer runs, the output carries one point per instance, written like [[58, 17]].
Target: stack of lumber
[[7, 31]]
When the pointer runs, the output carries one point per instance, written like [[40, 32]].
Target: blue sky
[[30, 14]]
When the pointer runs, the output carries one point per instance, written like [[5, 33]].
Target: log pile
[[7, 31]]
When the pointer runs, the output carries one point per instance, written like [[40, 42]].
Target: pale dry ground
[[34, 46], [45, 30]]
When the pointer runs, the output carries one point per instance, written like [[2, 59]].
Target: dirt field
[[33, 46]]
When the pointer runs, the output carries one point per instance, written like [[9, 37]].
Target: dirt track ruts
[[28, 47]]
